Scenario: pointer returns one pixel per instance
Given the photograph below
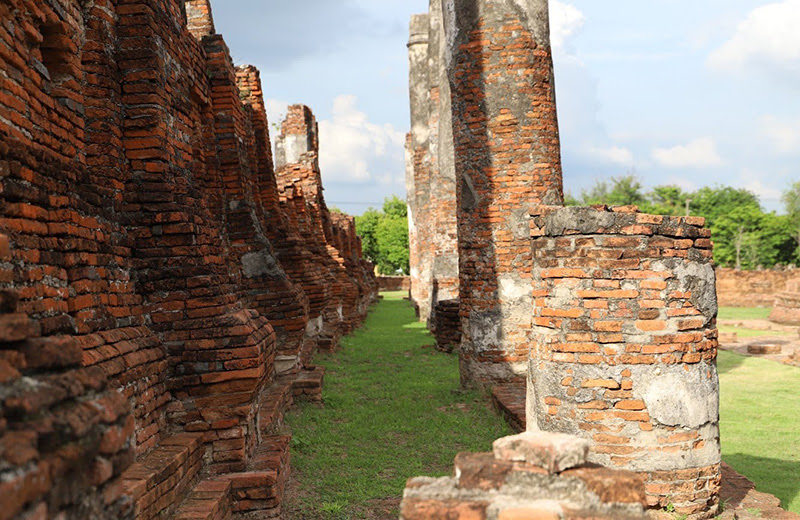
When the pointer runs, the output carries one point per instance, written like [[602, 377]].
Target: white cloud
[[612, 154], [276, 112], [565, 21], [783, 135], [768, 37], [701, 152], [352, 147], [751, 180]]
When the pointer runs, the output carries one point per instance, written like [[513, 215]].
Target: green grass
[[744, 313], [760, 424], [393, 410], [747, 313], [744, 332]]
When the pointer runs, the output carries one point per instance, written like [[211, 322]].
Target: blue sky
[[676, 91]]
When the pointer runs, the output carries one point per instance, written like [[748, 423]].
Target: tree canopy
[[745, 236], [384, 236]]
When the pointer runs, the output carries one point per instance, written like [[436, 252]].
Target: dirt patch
[[787, 337]]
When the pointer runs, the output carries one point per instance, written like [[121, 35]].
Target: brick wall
[[144, 239], [625, 344], [394, 283], [752, 288], [787, 305]]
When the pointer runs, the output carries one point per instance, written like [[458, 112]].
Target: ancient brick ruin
[[162, 286], [431, 178], [602, 319], [787, 305]]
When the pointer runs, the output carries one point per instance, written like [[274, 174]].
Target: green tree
[[367, 229], [712, 203], [666, 200], [620, 191], [394, 206], [392, 235], [791, 202], [384, 236]]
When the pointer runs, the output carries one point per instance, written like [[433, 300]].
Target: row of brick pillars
[[607, 316]]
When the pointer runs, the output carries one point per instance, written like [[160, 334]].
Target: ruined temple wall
[[430, 181], [442, 215], [759, 288], [134, 186], [507, 155], [180, 179], [297, 164], [625, 344], [787, 305], [418, 166]]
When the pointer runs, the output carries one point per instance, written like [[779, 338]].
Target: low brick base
[[531, 476], [509, 399], [446, 325], [787, 306]]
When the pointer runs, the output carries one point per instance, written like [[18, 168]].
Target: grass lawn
[[393, 410], [747, 313], [744, 313], [760, 424]]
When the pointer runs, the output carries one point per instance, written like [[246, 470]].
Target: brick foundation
[[625, 346], [446, 325]]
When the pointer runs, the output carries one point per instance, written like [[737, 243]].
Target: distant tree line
[[745, 236], [384, 236]]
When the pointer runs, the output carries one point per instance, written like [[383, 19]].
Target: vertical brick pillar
[[625, 345], [443, 214], [199, 19], [507, 157], [418, 186]]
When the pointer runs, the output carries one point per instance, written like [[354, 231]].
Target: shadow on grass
[[782, 476], [728, 361]]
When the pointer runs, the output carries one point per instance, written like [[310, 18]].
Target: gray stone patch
[[675, 397], [261, 263]]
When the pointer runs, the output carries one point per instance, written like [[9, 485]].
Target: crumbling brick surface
[[446, 325], [625, 344], [507, 155], [753, 288], [787, 305], [145, 304], [530, 476], [431, 174]]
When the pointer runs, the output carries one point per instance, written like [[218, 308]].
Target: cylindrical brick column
[[507, 157], [418, 180], [442, 215], [625, 346]]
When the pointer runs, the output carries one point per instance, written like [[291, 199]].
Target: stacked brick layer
[[625, 346], [752, 288], [145, 303], [787, 305], [446, 325]]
